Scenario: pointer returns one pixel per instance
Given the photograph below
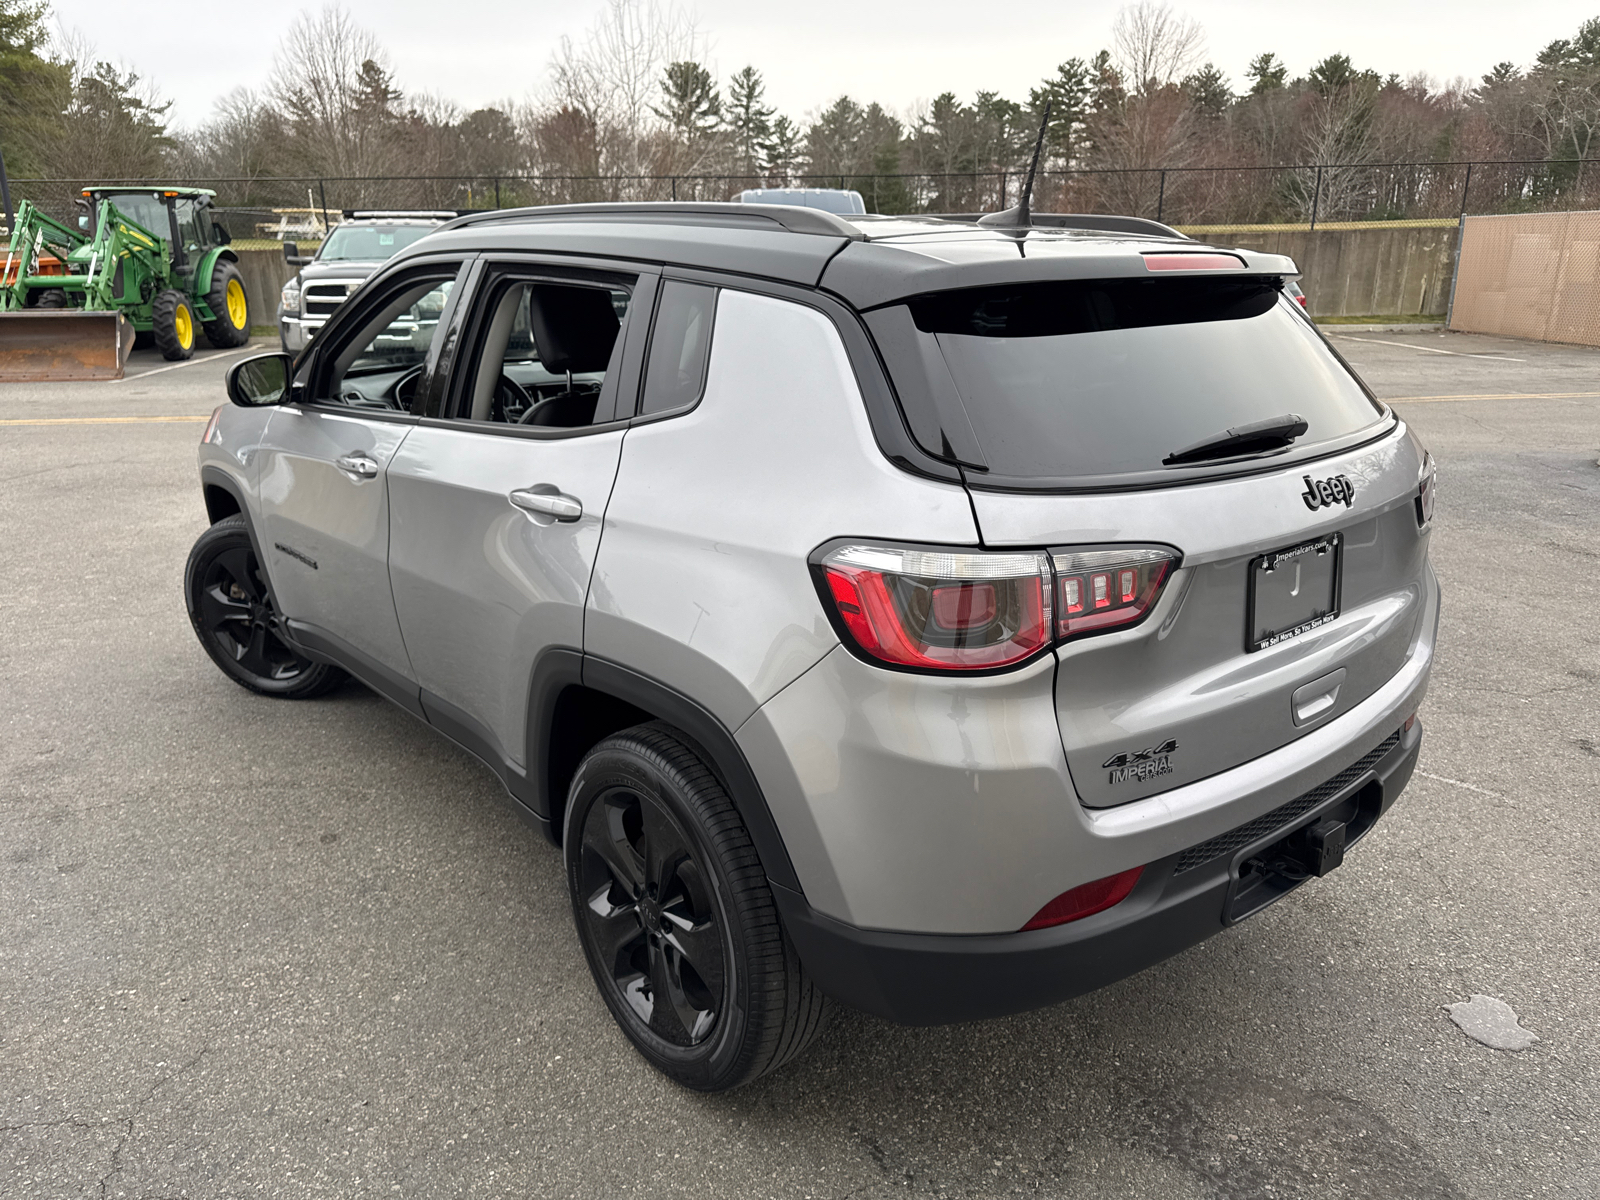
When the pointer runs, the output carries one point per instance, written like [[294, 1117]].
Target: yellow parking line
[[99, 420], [1494, 396]]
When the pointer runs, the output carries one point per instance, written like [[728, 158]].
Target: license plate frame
[[1291, 614]]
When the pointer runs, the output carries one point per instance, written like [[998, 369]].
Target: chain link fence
[[277, 209], [1530, 275]]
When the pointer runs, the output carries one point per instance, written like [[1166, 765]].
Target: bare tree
[[330, 78], [612, 78], [1154, 47]]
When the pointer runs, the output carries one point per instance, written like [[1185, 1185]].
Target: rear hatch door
[[1076, 400]]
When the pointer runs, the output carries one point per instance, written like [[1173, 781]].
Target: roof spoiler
[[789, 217], [1102, 223]]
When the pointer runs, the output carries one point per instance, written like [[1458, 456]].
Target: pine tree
[[690, 105], [1208, 91], [1267, 72], [780, 153], [33, 90], [749, 119], [1067, 92]]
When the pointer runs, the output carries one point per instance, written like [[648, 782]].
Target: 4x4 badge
[[1325, 493], [1142, 764]]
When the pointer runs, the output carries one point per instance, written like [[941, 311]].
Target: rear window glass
[[1095, 378], [680, 346]]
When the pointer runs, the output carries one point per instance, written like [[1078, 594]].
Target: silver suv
[[943, 619]]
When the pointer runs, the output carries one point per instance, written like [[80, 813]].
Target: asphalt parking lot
[[256, 948]]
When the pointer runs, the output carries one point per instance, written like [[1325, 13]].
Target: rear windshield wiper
[[1256, 438]]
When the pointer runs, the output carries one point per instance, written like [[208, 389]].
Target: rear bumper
[[932, 979]]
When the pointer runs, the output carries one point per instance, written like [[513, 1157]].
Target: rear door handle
[[547, 502], [357, 464]]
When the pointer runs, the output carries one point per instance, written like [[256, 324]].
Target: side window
[[545, 352], [381, 362], [680, 347]]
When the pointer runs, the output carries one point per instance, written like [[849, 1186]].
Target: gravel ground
[[251, 948]]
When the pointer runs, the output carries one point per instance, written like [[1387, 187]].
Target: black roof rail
[[791, 218], [1103, 223]]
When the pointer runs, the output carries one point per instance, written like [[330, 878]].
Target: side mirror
[[223, 237], [260, 382], [292, 255]]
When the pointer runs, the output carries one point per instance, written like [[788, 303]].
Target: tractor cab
[[180, 216]]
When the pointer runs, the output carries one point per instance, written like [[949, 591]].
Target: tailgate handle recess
[[1317, 697]]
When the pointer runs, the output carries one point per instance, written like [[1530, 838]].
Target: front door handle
[[357, 464], [547, 502]]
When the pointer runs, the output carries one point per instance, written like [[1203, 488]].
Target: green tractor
[[147, 264]]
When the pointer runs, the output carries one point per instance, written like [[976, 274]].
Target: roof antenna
[[1021, 217]]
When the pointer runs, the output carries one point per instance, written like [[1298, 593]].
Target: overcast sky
[[476, 52]]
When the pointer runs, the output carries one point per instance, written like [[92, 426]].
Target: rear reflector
[[1192, 262], [1085, 900]]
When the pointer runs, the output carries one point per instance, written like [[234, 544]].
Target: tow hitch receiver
[[1310, 851]]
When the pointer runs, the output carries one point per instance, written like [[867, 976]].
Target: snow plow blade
[[60, 346]]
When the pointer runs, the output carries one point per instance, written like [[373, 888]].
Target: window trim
[[378, 291], [642, 281]]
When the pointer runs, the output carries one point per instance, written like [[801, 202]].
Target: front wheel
[[228, 301], [676, 917], [172, 323], [232, 613]]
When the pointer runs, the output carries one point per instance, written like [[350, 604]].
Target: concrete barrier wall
[[1345, 272], [1360, 272], [264, 273]]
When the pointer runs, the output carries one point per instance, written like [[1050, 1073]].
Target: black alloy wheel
[[676, 918], [232, 612], [651, 916]]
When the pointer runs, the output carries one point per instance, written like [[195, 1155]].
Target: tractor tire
[[228, 300], [51, 298], [174, 325]]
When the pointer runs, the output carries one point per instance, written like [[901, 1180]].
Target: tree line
[[632, 103]]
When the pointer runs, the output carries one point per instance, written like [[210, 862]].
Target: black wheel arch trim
[[557, 670], [216, 477]]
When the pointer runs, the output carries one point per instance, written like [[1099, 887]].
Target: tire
[[173, 324], [228, 300], [669, 897], [231, 610], [51, 298]]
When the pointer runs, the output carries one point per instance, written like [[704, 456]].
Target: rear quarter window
[[1100, 380]]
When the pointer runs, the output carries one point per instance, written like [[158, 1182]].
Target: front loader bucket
[[61, 345]]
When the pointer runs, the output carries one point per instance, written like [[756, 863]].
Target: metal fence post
[[1464, 188], [497, 191], [1002, 191], [674, 187], [1316, 195], [1455, 266], [323, 193], [1161, 196]]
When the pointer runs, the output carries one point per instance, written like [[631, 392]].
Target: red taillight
[[1192, 262], [1102, 589], [941, 610], [1085, 900], [211, 426], [975, 611]]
